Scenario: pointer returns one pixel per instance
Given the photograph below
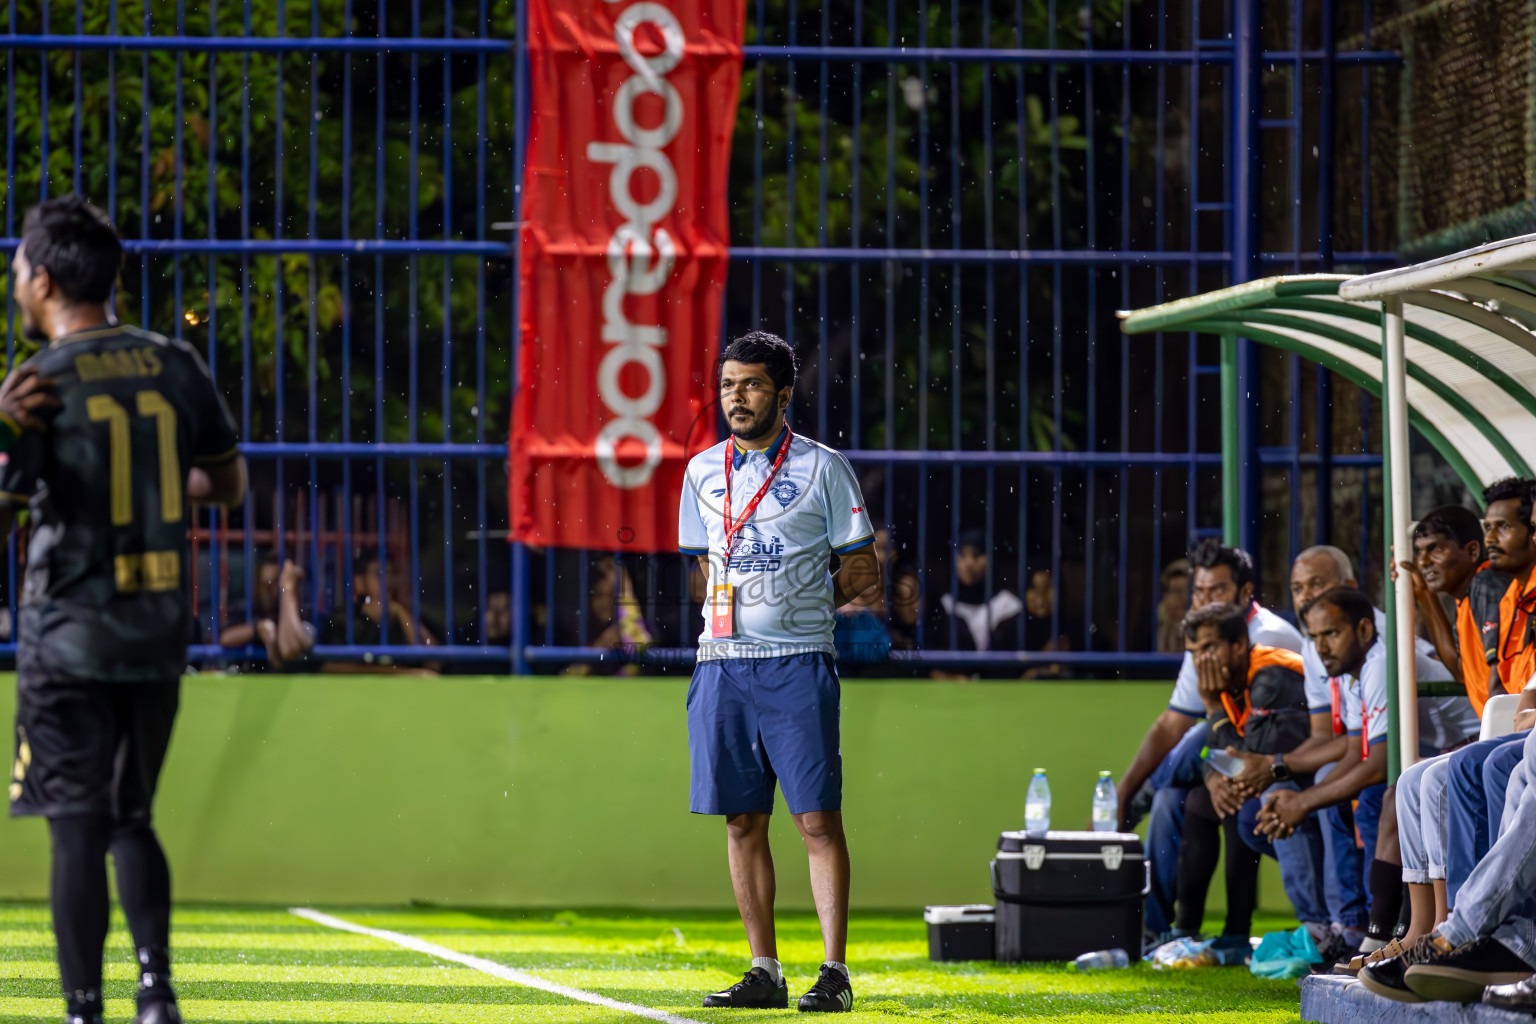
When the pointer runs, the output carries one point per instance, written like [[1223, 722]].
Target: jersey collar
[[102, 331], [739, 454]]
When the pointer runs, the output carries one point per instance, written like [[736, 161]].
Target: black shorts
[[90, 748]]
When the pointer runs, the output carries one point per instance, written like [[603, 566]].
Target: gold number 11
[[105, 408]]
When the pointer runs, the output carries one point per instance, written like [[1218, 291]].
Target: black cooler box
[[1062, 894], [960, 933]]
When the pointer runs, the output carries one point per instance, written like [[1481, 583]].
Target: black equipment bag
[[1062, 894]]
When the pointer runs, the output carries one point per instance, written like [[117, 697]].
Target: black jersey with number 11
[[107, 596]]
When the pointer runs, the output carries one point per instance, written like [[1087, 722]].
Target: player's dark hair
[[364, 558], [768, 349], [1512, 488], [1230, 622], [78, 245], [1210, 553], [1352, 602], [1456, 523]]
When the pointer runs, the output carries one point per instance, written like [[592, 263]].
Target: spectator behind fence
[[1254, 700], [905, 606], [1167, 763], [972, 618], [868, 627], [369, 626], [276, 622], [493, 611], [1173, 606], [614, 613], [1039, 606]]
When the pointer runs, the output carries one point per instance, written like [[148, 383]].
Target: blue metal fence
[[941, 206]]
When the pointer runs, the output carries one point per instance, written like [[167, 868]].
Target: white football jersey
[[779, 557]]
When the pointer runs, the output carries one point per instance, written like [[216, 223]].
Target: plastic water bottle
[[1106, 805], [1104, 959], [1037, 803]]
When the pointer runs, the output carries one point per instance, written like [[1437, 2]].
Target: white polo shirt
[[1363, 698], [1264, 627], [780, 557], [1443, 721]]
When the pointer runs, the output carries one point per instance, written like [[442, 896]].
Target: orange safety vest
[[1474, 659], [1260, 656], [1517, 655]]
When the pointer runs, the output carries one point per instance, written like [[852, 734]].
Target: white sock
[[773, 967], [837, 966], [1371, 945]]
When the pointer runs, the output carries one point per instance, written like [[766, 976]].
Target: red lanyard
[[730, 458], [1338, 716]]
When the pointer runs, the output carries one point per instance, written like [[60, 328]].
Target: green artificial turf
[[266, 965]]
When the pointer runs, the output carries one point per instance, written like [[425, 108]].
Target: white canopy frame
[[1448, 345]]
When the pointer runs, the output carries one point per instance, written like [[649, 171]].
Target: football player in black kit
[[139, 433]]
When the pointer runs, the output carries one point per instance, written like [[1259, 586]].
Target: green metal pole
[[1231, 471]]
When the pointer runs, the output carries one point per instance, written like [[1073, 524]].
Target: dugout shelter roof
[[1470, 343]]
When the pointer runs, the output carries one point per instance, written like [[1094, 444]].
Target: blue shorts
[[756, 721]]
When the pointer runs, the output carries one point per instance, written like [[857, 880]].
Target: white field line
[[487, 967]]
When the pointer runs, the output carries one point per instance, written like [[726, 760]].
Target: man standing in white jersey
[[1169, 757], [764, 512]]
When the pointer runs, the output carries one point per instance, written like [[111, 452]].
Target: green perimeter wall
[[574, 792]]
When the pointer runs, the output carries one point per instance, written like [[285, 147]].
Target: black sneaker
[[1332, 950], [1386, 978], [755, 991], [158, 1012], [1519, 996], [832, 993], [1461, 975]]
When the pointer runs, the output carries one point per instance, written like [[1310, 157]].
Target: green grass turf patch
[[236, 964]]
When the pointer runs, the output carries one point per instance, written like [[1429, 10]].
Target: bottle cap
[[1105, 775], [1039, 771]]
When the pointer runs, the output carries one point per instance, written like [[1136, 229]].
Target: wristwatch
[[1279, 770]]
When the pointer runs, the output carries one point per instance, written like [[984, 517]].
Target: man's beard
[[755, 429], [33, 332]]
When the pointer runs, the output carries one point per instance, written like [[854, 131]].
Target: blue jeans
[[1172, 780], [1301, 858], [1343, 872], [1497, 770], [1368, 821], [1421, 819], [1467, 801], [1497, 897]]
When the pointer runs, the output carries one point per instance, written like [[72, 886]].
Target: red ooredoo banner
[[623, 246]]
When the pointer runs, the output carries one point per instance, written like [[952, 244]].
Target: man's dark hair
[[1352, 602], [1455, 523], [78, 245], [1512, 488], [972, 539], [769, 349], [1210, 553], [1230, 622]]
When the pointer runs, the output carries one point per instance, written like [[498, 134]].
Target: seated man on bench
[[1254, 700]]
